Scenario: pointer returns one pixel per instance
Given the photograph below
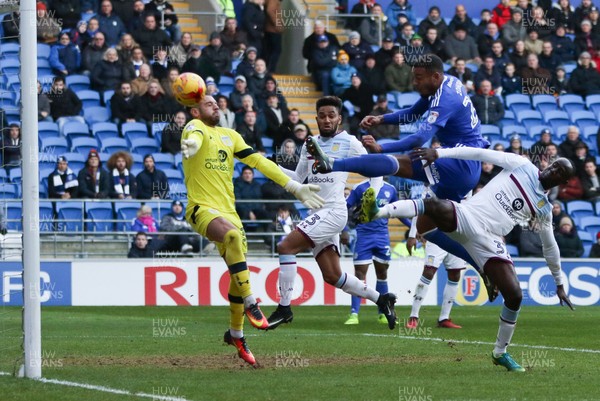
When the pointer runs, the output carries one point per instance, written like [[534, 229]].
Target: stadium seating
[[8, 191], [15, 175], [513, 250], [115, 144], [517, 102], [84, 145], [43, 51], [590, 131], [407, 99], [126, 212], [561, 133], [46, 216], [583, 118], [10, 66], [508, 119], [534, 131], [579, 209], [591, 224], [164, 161], [556, 118], [3, 176], [14, 214], [89, 98], [78, 83], [47, 129], [55, 146], [97, 114], [100, 214], [159, 209], [134, 130], [105, 130], [106, 95], [144, 146], [571, 103], [529, 118], [510, 130], [75, 129], [543, 103], [592, 103], [70, 216], [175, 178], [157, 128], [76, 161]]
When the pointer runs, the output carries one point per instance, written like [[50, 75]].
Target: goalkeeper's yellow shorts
[[200, 216]]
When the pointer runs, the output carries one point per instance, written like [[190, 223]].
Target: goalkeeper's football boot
[[256, 317], [283, 314], [386, 304], [323, 163], [491, 288], [381, 319], [353, 319], [242, 348], [368, 206], [506, 360], [413, 322], [448, 324]]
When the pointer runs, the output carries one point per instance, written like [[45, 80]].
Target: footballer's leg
[[381, 269], [235, 335], [360, 271], [502, 273], [448, 297], [421, 291]]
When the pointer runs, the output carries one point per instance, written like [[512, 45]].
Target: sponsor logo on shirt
[[433, 115], [518, 204], [226, 141], [321, 180]]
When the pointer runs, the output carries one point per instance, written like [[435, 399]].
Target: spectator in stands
[[519, 56], [595, 20], [171, 136], [300, 134], [93, 27], [47, 27], [172, 75], [132, 67], [10, 27], [80, 35], [200, 65], [323, 59], [563, 14], [311, 42], [226, 115], [369, 27], [124, 9], [93, 53], [460, 45], [137, 19], [398, 77], [362, 7], [568, 240], [404, 34], [246, 66], [111, 24], [551, 152], [572, 190], [139, 85], [275, 115], [150, 35], [124, 185], [590, 181], [67, 11], [581, 155], [585, 79], [595, 251], [384, 55], [516, 146], [501, 59], [250, 132], [125, 48], [217, 54], [536, 80], [62, 182], [145, 222], [286, 130], [485, 17], [43, 104], [108, 73], [161, 63], [557, 214], [539, 23], [245, 188], [232, 35], [433, 44], [11, 146], [533, 44], [159, 7], [65, 57], [488, 171], [538, 150], [488, 106], [240, 89], [274, 25], [152, 183], [357, 49], [463, 73], [181, 52], [94, 181], [175, 221], [397, 8], [65, 106], [530, 244], [341, 74], [582, 12], [155, 104], [548, 59], [140, 247], [416, 47], [253, 23], [434, 20], [501, 14], [383, 131], [525, 7], [125, 106], [489, 73], [271, 88], [256, 81], [485, 41], [563, 47], [360, 95], [514, 29], [461, 18], [286, 156], [586, 40], [510, 82]]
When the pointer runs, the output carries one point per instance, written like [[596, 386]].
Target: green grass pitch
[[177, 352]]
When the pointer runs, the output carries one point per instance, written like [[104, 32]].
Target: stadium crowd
[[110, 127]]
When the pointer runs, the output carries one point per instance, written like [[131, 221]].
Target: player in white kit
[[321, 229], [515, 196]]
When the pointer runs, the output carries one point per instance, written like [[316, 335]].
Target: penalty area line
[[105, 389]]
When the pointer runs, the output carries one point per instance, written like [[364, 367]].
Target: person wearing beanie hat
[[175, 221], [94, 181], [47, 27], [595, 251], [152, 183], [62, 182], [341, 74], [357, 49], [232, 36], [310, 43], [585, 79], [568, 240], [217, 54]]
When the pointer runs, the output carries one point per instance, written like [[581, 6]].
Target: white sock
[[508, 322], [287, 275], [236, 333], [249, 301], [402, 208], [354, 286], [450, 291], [420, 294]]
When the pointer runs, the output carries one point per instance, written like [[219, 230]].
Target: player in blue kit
[[451, 117], [372, 243]]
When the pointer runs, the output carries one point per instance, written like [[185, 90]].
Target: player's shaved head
[[557, 173]]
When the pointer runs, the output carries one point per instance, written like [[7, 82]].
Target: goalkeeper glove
[[189, 147], [306, 193]]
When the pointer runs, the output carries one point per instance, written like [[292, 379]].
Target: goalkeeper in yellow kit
[[208, 152]]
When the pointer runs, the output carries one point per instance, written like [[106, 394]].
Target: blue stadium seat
[[144, 146], [43, 71], [534, 131], [267, 142], [485, 130], [106, 95], [592, 102], [100, 213], [105, 130], [159, 209], [15, 174], [55, 146], [78, 83], [7, 98], [164, 161], [126, 213], [69, 216], [556, 118], [89, 98], [8, 191], [157, 128], [492, 138], [45, 172], [517, 102], [537, 100], [586, 238], [112, 145], [134, 130], [10, 66], [75, 129], [584, 118], [96, 114], [569, 68], [408, 99], [508, 119], [179, 159], [591, 224], [14, 214], [527, 143], [578, 209], [43, 63], [47, 129], [590, 132], [571, 103], [46, 216], [302, 210], [43, 51], [174, 177], [76, 161], [529, 118], [561, 133], [509, 130], [512, 250], [47, 160], [12, 114], [84, 145], [3, 176], [9, 50]]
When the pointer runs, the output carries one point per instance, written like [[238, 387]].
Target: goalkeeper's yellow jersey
[[208, 175]]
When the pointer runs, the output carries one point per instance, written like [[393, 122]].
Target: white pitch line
[[104, 389]]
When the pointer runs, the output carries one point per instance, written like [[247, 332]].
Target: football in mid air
[[189, 89]]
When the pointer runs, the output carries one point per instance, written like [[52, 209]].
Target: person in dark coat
[[152, 183], [311, 42], [530, 244], [217, 54], [488, 106], [155, 103], [256, 81], [10, 27], [66, 11], [11, 146], [463, 73], [361, 97], [253, 23], [175, 221], [246, 66], [357, 49], [200, 65], [563, 46], [65, 57], [462, 19], [568, 240], [232, 36], [595, 251], [383, 130], [159, 7], [108, 73], [161, 63], [275, 115], [64, 104], [94, 181], [137, 19], [140, 247], [372, 75], [171, 136], [150, 35], [433, 20], [571, 142], [62, 182], [322, 60], [123, 182], [585, 79], [286, 130], [250, 132], [125, 106], [245, 187], [93, 53], [111, 24]]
